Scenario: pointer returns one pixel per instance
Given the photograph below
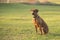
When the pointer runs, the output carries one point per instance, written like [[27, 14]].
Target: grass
[[16, 22]]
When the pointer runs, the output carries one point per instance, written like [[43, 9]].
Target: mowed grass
[[16, 22]]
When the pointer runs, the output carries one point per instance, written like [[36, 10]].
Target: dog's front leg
[[36, 28]]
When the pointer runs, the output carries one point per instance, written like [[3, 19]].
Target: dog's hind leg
[[45, 30], [41, 30]]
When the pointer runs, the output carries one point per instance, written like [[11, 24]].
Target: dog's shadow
[[54, 34]]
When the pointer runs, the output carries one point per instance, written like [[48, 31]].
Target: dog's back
[[42, 24]]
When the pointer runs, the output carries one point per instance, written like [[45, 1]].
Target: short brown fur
[[39, 22]]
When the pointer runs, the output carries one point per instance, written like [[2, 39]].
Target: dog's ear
[[36, 10]]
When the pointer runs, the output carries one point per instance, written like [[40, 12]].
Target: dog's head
[[34, 11]]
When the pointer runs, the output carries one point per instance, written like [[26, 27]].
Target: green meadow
[[16, 22]]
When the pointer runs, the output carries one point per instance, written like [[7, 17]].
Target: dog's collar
[[35, 16]]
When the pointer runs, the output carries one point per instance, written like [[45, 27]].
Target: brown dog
[[39, 22]]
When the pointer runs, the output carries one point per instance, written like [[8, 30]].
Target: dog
[[39, 22]]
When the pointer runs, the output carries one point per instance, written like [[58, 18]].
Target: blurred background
[[29, 1], [16, 19]]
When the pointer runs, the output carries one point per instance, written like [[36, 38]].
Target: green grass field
[[16, 22]]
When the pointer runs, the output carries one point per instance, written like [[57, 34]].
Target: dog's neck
[[35, 15]]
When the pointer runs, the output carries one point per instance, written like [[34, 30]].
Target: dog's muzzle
[[32, 13]]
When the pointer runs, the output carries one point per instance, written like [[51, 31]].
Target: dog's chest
[[37, 21]]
